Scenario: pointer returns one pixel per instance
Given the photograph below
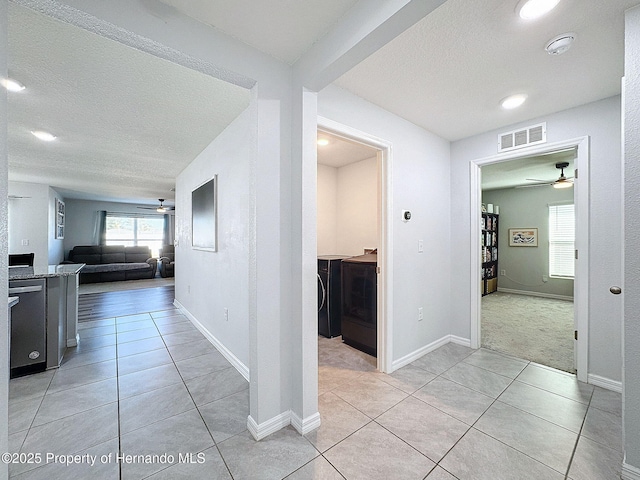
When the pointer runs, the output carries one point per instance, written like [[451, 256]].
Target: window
[[561, 240], [129, 230]]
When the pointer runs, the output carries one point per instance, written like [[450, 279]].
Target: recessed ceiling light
[[44, 136], [513, 101], [532, 9], [560, 44], [323, 142], [12, 85]]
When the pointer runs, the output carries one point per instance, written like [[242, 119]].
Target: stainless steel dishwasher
[[28, 327]]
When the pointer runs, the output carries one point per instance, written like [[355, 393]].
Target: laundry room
[[348, 225]]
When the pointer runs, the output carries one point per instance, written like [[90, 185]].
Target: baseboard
[[535, 294], [629, 472], [73, 342], [233, 360], [407, 359], [604, 382], [306, 425], [270, 426], [465, 342]]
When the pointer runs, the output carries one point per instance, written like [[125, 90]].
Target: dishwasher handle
[[28, 289]]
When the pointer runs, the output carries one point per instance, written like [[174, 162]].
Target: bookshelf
[[489, 253]]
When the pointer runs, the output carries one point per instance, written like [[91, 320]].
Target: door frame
[[581, 279], [385, 238]]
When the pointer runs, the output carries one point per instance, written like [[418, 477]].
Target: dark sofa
[[110, 263], [167, 261]]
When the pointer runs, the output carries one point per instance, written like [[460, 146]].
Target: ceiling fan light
[[161, 209], [562, 184]]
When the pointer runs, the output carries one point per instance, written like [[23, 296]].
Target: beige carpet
[[534, 328], [125, 285]]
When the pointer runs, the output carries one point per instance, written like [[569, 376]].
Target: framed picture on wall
[[523, 237], [59, 234], [204, 208]]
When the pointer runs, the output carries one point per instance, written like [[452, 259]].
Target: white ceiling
[[341, 152], [285, 29], [527, 171], [127, 122], [449, 71]]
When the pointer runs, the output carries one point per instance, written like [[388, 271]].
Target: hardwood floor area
[[96, 306]]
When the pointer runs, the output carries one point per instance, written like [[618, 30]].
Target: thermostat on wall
[[406, 215]]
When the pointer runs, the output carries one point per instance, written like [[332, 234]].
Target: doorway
[[528, 258], [581, 202], [376, 160]]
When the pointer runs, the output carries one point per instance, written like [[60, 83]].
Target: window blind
[[562, 240]]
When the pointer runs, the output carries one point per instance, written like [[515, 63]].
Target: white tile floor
[[150, 384]]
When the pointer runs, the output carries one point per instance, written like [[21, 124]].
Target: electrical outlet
[[420, 314], [25, 242], [420, 246], [503, 272], [226, 314], [545, 279]]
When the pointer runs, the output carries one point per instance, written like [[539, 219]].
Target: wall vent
[[523, 137]]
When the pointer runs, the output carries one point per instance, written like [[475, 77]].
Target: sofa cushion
[[137, 254], [113, 254], [91, 254]]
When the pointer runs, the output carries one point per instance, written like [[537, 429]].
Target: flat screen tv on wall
[[204, 215]]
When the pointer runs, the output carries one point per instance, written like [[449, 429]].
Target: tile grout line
[[575, 446], [215, 444]]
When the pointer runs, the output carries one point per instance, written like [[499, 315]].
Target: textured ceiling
[[527, 171], [449, 71], [127, 122], [284, 29], [340, 152]]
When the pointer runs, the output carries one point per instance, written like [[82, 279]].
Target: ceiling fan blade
[[543, 184], [540, 181]]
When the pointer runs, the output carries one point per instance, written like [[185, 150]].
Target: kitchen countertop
[[27, 273], [13, 301]]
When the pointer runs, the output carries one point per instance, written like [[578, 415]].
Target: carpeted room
[[531, 313]]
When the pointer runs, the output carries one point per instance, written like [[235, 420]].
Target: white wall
[[601, 121], [525, 267], [327, 210], [357, 207], [420, 172], [208, 282], [631, 287], [4, 284], [29, 221], [348, 208]]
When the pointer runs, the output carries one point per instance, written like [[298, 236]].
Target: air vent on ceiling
[[523, 137]]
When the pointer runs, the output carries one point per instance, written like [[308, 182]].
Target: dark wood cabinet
[[489, 253]]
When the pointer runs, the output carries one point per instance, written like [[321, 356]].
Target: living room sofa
[[167, 261], [110, 263]]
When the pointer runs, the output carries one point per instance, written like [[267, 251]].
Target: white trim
[[465, 342], [604, 382], [581, 201], [306, 425], [270, 426], [385, 234], [536, 294], [226, 353], [407, 359], [629, 472], [73, 342]]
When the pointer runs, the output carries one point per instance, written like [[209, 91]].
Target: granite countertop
[[27, 273], [13, 301]]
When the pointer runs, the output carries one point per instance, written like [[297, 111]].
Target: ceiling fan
[[160, 208], [562, 181]]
